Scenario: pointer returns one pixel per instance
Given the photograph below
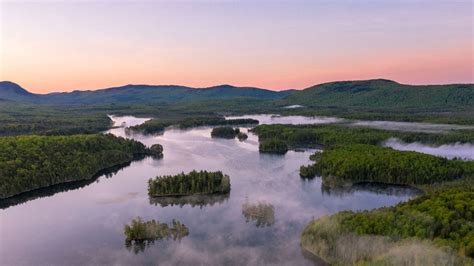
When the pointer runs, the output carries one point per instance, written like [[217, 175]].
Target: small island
[[242, 136], [156, 150], [139, 233], [192, 183], [262, 213], [224, 132]]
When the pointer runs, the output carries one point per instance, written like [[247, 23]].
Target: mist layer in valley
[[463, 151]]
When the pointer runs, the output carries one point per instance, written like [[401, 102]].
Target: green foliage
[[194, 182], [242, 136], [446, 217], [156, 150], [273, 146], [262, 213], [224, 132], [18, 118], [159, 125], [308, 171], [141, 233], [139, 94], [384, 93], [31, 162], [359, 162], [427, 226], [330, 135], [215, 121]]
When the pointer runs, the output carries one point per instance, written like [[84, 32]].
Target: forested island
[[224, 132], [158, 125], [32, 162], [345, 165], [262, 213], [194, 182], [140, 233]]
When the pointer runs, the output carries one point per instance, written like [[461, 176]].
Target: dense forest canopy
[[194, 182], [360, 162], [31, 162], [330, 135]]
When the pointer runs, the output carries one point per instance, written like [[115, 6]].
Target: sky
[[50, 46]]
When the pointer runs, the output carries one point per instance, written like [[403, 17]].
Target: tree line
[[194, 182], [30, 162]]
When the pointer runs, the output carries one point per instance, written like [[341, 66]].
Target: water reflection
[[192, 200], [262, 213], [142, 234], [64, 187], [372, 187]]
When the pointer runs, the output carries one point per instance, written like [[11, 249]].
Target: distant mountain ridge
[[376, 93], [382, 93], [137, 94]]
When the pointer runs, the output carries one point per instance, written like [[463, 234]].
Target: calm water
[[83, 224]]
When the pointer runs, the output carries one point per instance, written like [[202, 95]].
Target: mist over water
[[268, 119], [410, 126], [463, 151]]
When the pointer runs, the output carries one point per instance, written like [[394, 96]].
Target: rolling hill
[[381, 93], [137, 94]]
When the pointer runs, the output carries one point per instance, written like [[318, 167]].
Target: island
[[242, 136], [156, 150], [192, 183], [140, 233], [262, 213], [224, 132], [349, 164]]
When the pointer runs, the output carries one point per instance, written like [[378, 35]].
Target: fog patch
[[293, 106], [410, 126], [463, 151]]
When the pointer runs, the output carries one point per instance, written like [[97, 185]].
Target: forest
[[440, 221], [224, 132], [343, 165], [140, 233], [158, 125], [30, 162], [275, 146], [194, 182], [330, 135]]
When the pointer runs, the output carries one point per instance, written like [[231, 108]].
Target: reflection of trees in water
[[192, 200], [141, 234], [262, 213], [373, 187], [51, 190]]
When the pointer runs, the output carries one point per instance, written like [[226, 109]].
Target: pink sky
[[59, 46]]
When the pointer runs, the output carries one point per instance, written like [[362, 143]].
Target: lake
[[83, 223]]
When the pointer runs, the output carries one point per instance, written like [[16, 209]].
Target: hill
[[381, 93], [137, 94]]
